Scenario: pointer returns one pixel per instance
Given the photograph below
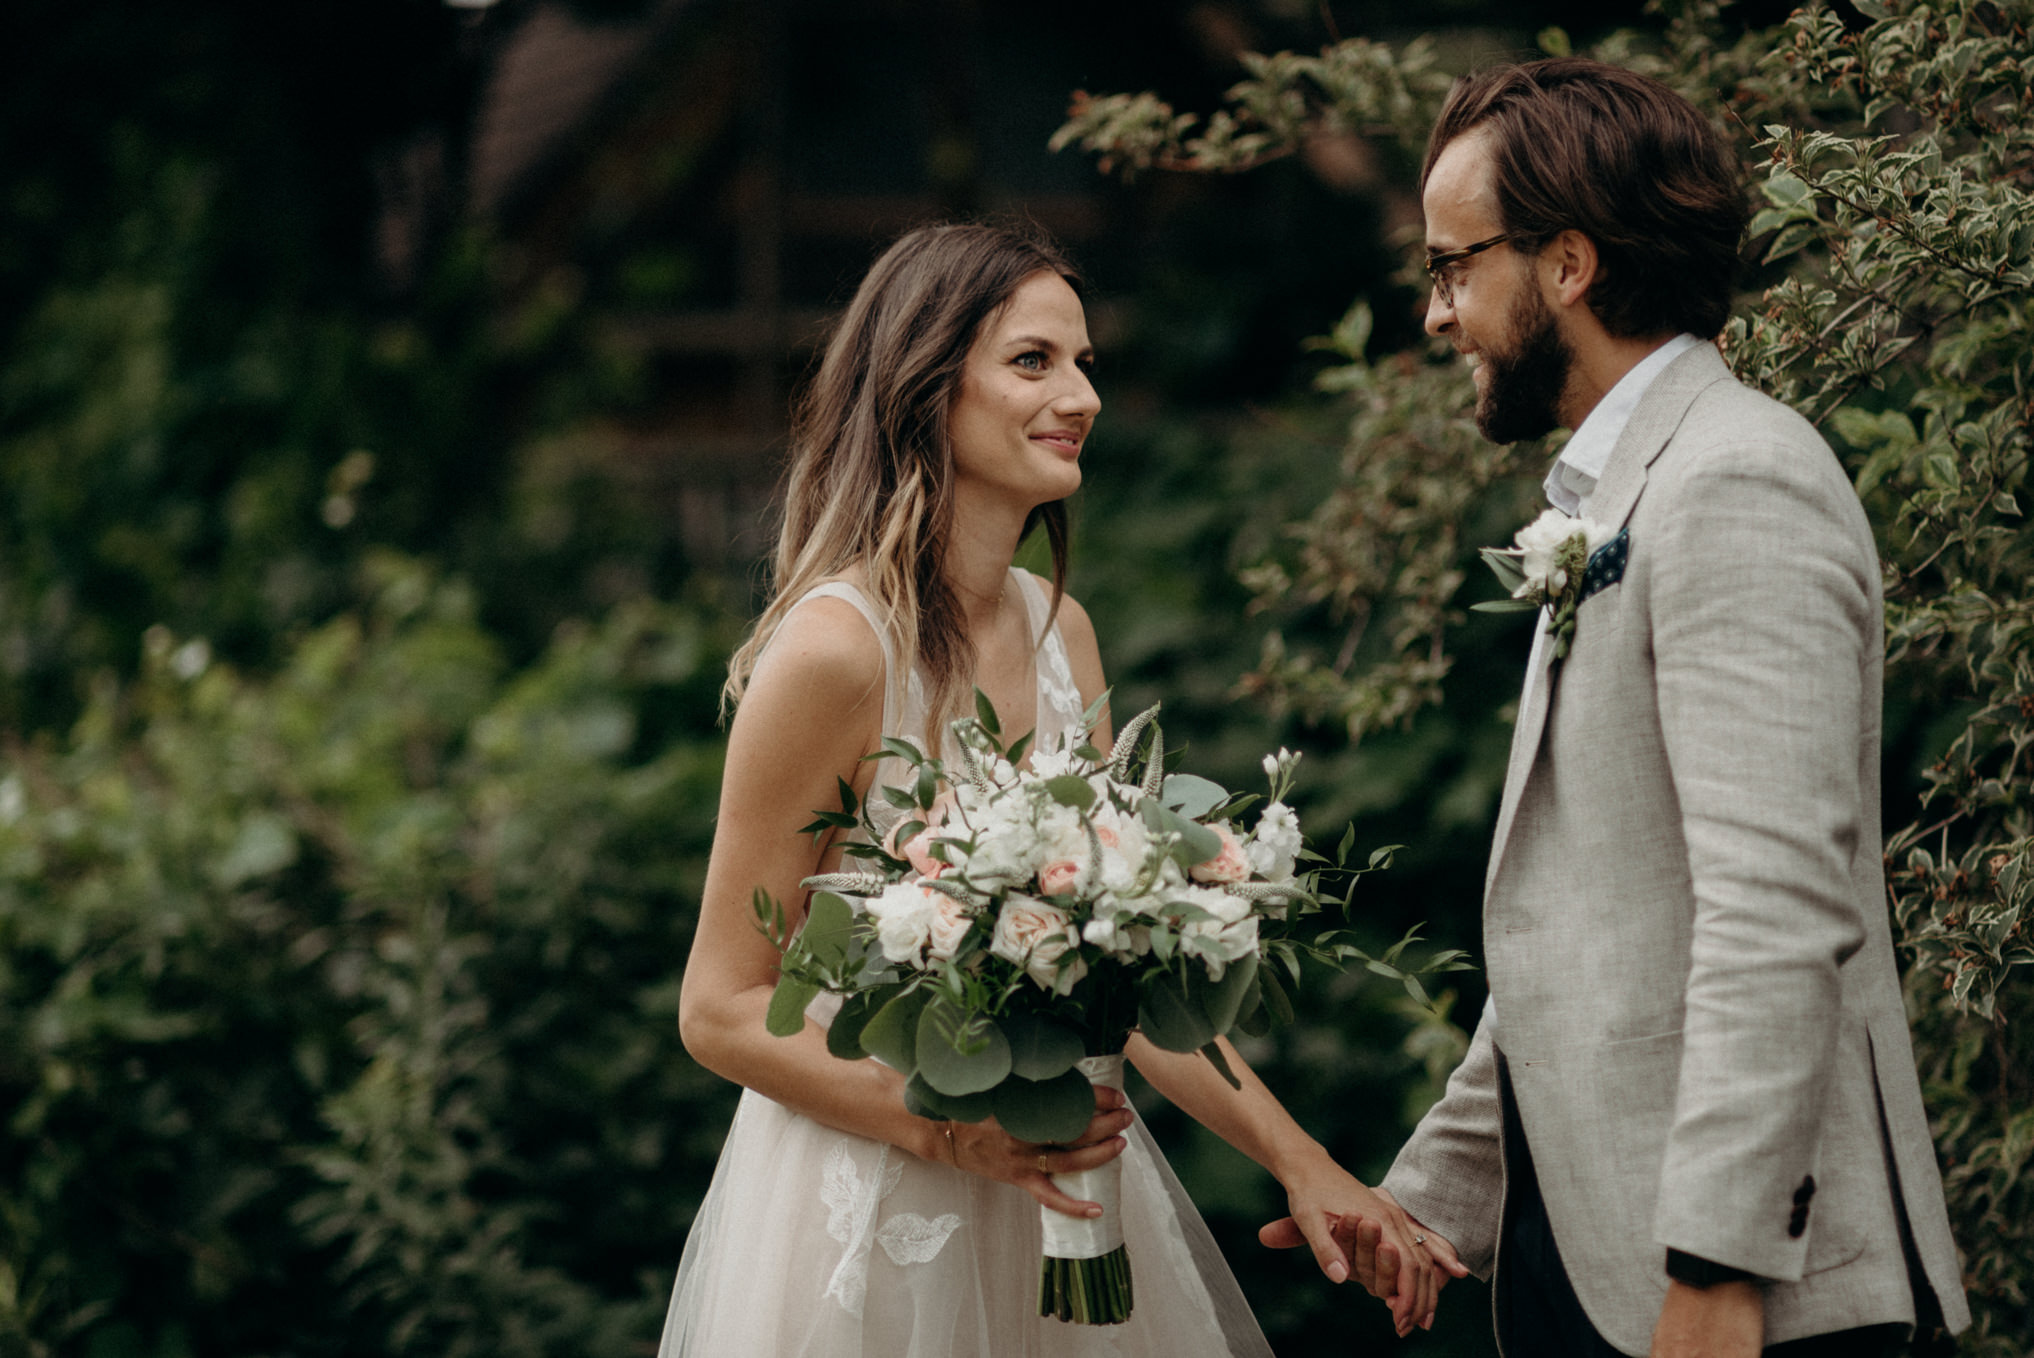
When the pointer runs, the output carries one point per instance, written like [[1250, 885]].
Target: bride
[[946, 421]]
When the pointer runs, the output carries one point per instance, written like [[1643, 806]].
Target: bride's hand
[[984, 1148], [1346, 1223]]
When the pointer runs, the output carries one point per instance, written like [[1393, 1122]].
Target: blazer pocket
[[1592, 654]]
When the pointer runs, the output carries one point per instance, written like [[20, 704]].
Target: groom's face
[[1492, 309]]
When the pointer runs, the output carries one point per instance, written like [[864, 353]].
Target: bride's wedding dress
[[817, 1242]]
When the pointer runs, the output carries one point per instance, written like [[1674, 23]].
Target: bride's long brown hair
[[870, 482]]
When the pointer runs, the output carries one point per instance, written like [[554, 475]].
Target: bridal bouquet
[[1017, 923]]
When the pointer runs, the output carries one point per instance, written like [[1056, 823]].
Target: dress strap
[[1059, 697], [893, 696], [903, 697]]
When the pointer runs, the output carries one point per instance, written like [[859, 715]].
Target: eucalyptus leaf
[[786, 1014], [1048, 1112], [925, 1101], [1196, 844], [844, 1034], [1191, 795], [985, 713], [1039, 1047], [960, 1053], [1171, 1016], [1251, 1016], [1224, 999], [892, 1035], [1071, 790], [829, 926]]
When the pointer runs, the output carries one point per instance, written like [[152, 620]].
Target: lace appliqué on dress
[[1056, 687], [852, 1203]]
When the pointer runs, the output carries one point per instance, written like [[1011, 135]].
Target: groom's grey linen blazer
[[1685, 925]]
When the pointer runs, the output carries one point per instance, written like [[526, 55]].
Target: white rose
[[1542, 540], [1118, 931], [1218, 944], [1224, 907], [903, 916], [1036, 936]]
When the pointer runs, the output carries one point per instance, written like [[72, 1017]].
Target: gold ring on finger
[[1041, 1164]]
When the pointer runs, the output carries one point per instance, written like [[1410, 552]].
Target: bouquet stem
[[1084, 1277]]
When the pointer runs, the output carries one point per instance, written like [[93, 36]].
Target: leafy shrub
[[338, 1008]]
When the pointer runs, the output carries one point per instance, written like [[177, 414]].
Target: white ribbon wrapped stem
[[1090, 1237]]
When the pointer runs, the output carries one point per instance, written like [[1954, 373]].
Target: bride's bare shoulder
[[825, 651]]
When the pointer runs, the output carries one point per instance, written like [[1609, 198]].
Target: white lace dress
[[817, 1242]]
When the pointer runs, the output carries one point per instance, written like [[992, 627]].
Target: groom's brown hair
[[1581, 145]]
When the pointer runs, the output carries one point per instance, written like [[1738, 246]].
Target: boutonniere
[[1555, 563]]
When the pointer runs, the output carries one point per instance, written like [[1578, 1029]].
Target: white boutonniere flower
[[1544, 568]]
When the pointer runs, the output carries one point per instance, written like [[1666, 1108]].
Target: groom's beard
[[1522, 389]]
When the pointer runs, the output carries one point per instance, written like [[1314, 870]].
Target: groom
[[1689, 1121]]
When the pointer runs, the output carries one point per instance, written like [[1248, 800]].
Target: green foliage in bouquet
[[979, 1030]]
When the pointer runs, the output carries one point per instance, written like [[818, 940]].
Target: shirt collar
[[1574, 474]]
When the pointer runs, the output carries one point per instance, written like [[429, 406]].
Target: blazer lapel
[[1659, 413], [1525, 740]]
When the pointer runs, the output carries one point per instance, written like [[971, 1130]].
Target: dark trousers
[[1538, 1315]]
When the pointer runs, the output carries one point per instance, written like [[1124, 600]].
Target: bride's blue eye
[[1033, 360]]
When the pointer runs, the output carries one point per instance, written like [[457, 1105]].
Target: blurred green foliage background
[[389, 400]]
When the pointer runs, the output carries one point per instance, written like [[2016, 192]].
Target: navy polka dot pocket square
[[1606, 564]]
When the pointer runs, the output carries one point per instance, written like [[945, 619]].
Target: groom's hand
[[1724, 1320], [1351, 1225]]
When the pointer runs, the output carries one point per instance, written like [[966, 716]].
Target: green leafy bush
[[338, 1007]]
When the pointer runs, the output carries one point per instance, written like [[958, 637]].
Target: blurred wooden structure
[[712, 178]]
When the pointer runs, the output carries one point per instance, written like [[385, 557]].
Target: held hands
[[984, 1148], [1725, 1320], [1353, 1229]]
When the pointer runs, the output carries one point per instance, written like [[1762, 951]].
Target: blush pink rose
[[1059, 877], [950, 924], [1230, 863], [917, 850], [1037, 937]]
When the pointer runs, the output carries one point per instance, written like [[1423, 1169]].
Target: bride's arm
[[813, 707], [1330, 1206], [1325, 1199]]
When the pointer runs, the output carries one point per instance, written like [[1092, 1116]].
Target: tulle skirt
[[816, 1242]]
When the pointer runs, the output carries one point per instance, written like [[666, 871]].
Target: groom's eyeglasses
[[1441, 267]]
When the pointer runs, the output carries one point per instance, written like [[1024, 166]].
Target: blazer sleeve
[[1450, 1173], [1765, 612]]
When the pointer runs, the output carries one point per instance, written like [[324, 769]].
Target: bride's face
[[1026, 403]]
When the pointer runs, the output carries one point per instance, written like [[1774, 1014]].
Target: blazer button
[[1797, 1223], [1805, 1191]]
